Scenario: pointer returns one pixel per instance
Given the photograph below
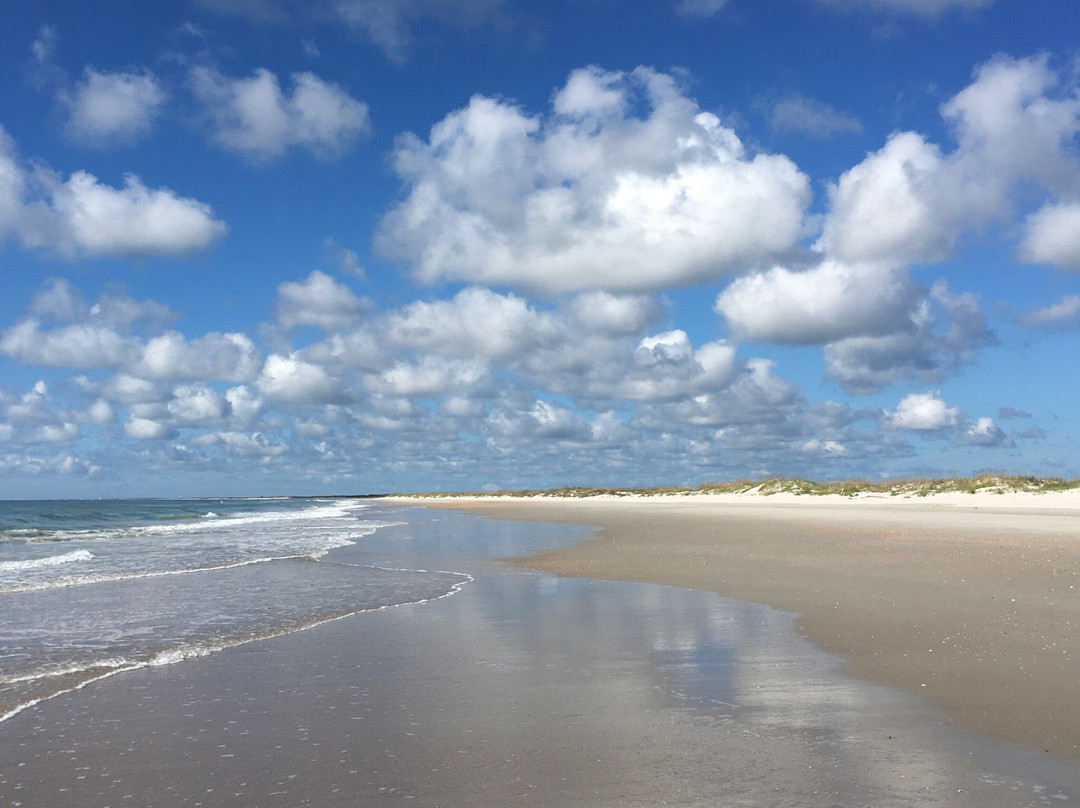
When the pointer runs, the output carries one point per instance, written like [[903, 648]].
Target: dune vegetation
[[905, 487]]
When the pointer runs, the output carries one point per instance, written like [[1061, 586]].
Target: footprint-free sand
[[971, 600]]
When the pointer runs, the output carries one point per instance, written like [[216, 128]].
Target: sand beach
[[970, 600]]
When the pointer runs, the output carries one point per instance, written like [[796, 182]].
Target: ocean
[[90, 588]]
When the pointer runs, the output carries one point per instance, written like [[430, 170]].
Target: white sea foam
[[110, 667], [175, 655], [253, 539], [209, 522], [104, 664], [48, 561]]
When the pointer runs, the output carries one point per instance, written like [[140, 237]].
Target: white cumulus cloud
[[923, 412], [83, 216], [133, 220], [910, 202], [317, 300], [984, 432], [591, 196], [825, 303], [475, 322], [80, 346], [148, 429], [254, 117], [293, 380], [230, 357], [944, 333], [106, 108], [1052, 236], [431, 377]]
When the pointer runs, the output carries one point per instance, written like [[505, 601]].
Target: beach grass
[[901, 487]]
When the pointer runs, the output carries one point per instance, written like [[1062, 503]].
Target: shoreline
[[970, 600], [523, 689]]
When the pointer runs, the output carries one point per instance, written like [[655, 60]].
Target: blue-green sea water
[[92, 587]]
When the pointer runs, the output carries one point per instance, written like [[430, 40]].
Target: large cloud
[[475, 322], [590, 196], [823, 304], [64, 331], [293, 380], [943, 335], [229, 357], [254, 117], [877, 325], [59, 301], [909, 201], [83, 216], [1015, 126]]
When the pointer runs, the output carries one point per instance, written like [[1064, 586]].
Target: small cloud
[[1007, 413], [42, 70], [928, 9], [984, 432], [1065, 314], [699, 8], [311, 50], [812, 117], [344, 260], [261, 11], [1052, 237], [107, 108], [318, 300], [44, 46], [148, 429], [923, 412], [1033, 433], [254, 117]]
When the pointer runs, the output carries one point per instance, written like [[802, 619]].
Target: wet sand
[[522, 689], [974, 606]]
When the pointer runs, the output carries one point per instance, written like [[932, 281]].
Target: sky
[[255, 247]]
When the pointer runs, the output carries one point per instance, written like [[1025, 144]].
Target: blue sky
[[343, 246]]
